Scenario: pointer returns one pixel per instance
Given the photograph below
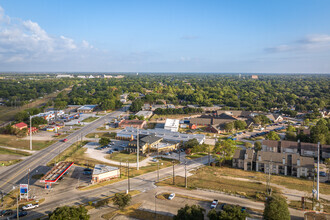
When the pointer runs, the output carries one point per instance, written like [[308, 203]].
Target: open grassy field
[[209, 180], [100, 135], [90, 119], [196, 155], [286, 181], [13, 141], [117, 156], [13, 152]]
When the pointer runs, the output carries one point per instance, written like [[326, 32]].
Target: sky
[[226, 36]]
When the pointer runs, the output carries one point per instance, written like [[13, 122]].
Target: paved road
[[142, 183], [17, 173]]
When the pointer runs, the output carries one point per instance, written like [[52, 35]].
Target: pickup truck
[[30, 206], [214, 204]]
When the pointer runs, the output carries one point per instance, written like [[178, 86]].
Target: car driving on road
[[30, 206], [171, 196]]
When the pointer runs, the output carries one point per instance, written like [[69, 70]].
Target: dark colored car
[[322, 173], [20, 214], [6, 212], [222, 206]]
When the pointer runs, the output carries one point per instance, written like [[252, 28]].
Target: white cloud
[[25, 41], [311, 43]]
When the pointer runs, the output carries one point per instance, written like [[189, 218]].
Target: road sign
[[23, 188]]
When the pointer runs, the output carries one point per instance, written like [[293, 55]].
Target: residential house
[[275, 118]]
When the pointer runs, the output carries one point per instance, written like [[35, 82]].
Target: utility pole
[[185, 173], [120, 169], [318, 173], [137, 148], [128, 183], [157, 163], [209, 157], [29, 178], [313, 191], [268, 188], [30, 133], [173, 173], [16, 202]]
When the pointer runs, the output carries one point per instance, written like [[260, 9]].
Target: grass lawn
[[133, 172], [286, 181], [90, 119], [13, 141], [196, 155], [13, 152], [9, 162], [134, 212], [100, 135], [117, 156], [208, 179]]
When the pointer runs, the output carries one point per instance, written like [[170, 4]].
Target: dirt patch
[[9, 157]]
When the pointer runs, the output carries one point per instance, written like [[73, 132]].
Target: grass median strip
[[13, 152]]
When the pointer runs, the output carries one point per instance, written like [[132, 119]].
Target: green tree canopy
[[104, 141], [276, 208], [69, 212], [122, 200], [257, 146], [229, 212], [194, 212], [272, 135]]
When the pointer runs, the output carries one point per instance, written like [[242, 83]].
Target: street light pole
[[16, 203], [185, 173], [318, 173], [173, 173]]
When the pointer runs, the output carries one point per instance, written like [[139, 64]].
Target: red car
[[65, 140]]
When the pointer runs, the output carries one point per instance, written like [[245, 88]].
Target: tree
[[276, 208], [69, 212], [122, 200], [257, 146], [104, 141], [240, 125], [247, 145], [273, 136], [224, 150], [191, 143], [36, 121], [136, 105], [229, 126], [229, 212], [327, 163], [194, 212]]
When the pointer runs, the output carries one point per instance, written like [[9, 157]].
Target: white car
[[171, 196], [30, 206], [214, 204]]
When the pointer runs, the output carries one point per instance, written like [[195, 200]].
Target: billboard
[[23, 188]]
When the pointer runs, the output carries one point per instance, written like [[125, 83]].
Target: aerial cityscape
[[164, 110]]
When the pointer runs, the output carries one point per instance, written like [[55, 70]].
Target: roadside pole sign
[[24, 191]]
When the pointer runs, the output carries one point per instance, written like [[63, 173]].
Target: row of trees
[[176, 111], [276, 208]]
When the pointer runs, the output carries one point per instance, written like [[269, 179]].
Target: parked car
[[243, 209], [154, 160], [30, 206], [222, 206], [110, 152], [6, 212], [322, 173], [20, 214], [171, 196], [214, 204]]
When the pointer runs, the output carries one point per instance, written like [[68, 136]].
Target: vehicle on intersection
[[30, 206]]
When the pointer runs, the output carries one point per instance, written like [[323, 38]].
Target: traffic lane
[[9, 179]]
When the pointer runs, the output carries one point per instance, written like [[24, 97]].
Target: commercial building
[[146, 142], [145, 114], [64, 76], [130, 133], [20, 126], [172, 124], [103, 173], [86, 108], [50, 115], [132, 123], [274, 163]]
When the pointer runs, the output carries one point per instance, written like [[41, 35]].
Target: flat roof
[[87, 107], [100, 168], [167, 135], [56, 172]]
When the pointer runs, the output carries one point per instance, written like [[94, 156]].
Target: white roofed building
[[172, 124], [103, 173]]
